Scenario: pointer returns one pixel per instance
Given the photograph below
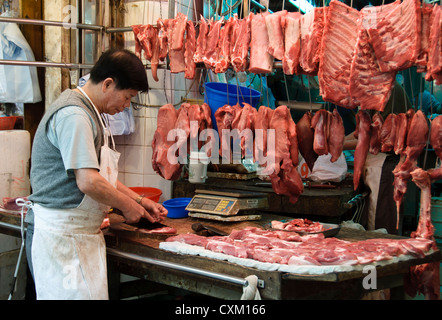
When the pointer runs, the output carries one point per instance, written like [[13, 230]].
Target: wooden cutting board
[[124, 230]]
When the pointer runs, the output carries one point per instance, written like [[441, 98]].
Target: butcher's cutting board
[[124, 230]]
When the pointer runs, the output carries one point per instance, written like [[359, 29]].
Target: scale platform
[[228, 205]]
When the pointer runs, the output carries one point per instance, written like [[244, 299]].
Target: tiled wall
[[135, 164]]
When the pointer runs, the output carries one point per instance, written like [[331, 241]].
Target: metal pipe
[[46, 64], [51, 23], [180, 267]]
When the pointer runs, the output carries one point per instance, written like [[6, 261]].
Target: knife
[[198, 227]]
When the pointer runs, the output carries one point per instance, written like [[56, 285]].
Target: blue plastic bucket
[[177, 207], [218, 94]]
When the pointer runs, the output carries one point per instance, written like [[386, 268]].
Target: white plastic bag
[[326, 171], [18, 84]]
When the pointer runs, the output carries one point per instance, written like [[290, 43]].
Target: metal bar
[[46, 64], [52, 23], [180, 267]]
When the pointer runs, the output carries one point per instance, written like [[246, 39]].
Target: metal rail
[[52, 23], [46, 64], [180, 267]]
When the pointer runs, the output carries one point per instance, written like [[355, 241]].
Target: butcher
[[74, 182], [377, 171]]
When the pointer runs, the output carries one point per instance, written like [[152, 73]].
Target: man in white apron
[[74, 180]]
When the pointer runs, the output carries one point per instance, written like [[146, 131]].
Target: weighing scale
[[228, 205]]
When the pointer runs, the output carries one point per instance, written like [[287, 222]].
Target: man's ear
[[107, 83]]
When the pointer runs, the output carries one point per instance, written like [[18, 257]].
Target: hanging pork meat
[[285, 177], [362, 133], [260, 60], [335, 58], [292, 43], [306, 136]]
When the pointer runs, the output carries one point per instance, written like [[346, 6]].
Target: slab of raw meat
[[262, 122], [211, 53], [138, 49], [176, 57], [225, 41], [436, 136], [321, 124], [284, 175], [434, 64], [336, 136], [239, 55], [179, 29], [306, 136], [292, 43], [312, 27], [422, 58], [162, 39], [336, 55], [363, 123], [190, 47], [387, 135], [201, 42], [276, 34], [260, 60], [376, 125], [401, 133], [396, 38], [370, 88], [167, 116]]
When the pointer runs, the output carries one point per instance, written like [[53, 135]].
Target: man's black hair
[[124, 67]]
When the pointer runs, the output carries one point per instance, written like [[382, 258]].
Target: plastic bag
[[121, 123], [18, 84], [326, 171]]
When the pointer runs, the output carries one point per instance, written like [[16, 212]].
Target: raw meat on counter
[[302, 225], [292, 249]]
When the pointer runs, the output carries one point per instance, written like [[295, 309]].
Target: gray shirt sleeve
[[72, 131]]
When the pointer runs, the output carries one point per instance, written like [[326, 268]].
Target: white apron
[[68, 248]]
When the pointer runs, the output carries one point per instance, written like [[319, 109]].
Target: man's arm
[[91, 183]]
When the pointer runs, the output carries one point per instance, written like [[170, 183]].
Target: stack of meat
[[310, 250], [178, 132]]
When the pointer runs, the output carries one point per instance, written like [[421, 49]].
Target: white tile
[[157, 97], [134, 159], [121, 149], [133, 180], [148, 161], [152, 112], [137, 138], [151, 127]]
